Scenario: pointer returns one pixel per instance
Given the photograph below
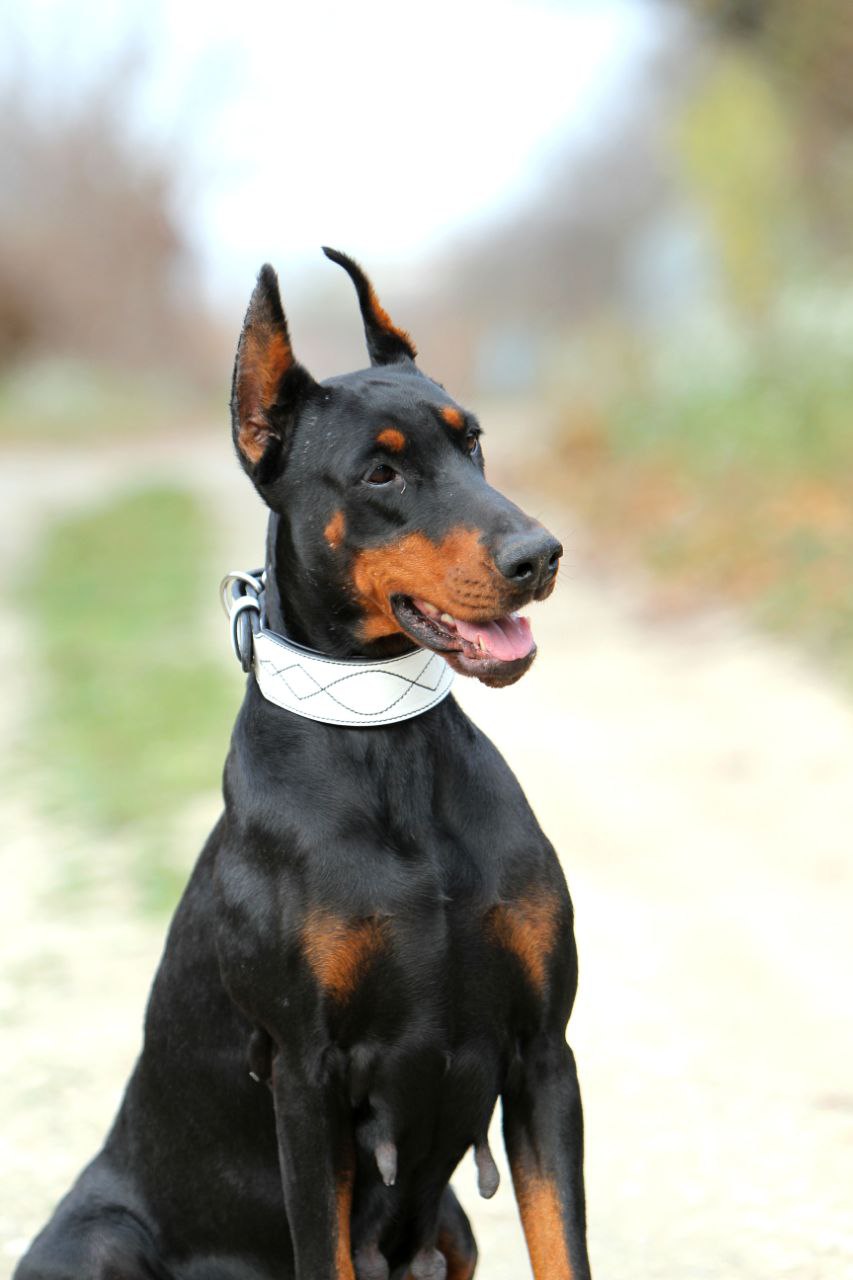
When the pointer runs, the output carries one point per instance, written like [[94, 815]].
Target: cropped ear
[[386, 344], [269, 384]]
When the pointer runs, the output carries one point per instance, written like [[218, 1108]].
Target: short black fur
[[376, 942]]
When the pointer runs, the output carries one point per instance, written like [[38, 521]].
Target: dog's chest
[[420, 894], [454, 951], [427, 999]]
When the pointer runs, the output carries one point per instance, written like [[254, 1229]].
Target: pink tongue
[[505, 639]]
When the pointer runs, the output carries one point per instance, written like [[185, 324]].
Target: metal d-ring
[[254, 581], [243, 628], [240, 595]]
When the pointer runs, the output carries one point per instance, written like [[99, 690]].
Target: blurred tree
[[736, 153], [93, 261], [807, 45], [806, 50], [569, 251]]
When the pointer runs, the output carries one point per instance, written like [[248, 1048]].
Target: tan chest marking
[[527, 928], [340, 951]]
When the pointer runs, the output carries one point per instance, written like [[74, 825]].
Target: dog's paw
[[428, 1264], [370, 1264]]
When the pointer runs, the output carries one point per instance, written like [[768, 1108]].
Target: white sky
[[378, 126]]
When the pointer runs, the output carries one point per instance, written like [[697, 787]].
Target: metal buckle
[[241, 594]]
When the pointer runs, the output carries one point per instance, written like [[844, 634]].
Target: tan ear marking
[[384, 321], [386, 343], [253, 437], [264, 358]]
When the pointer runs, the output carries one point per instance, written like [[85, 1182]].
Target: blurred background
[[621, 231]]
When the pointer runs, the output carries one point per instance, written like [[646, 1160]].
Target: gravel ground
[[697, 783]]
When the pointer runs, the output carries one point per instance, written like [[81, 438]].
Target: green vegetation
[[723, 459], [742, 176], [736, 488], [134, 722]]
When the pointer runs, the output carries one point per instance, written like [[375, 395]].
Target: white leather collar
[[345, 691], [348, 691]]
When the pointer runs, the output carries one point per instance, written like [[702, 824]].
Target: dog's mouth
[[497, 651]]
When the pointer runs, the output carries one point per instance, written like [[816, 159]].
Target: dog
[[377, 940]]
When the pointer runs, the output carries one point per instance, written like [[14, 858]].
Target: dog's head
[[385, 530]]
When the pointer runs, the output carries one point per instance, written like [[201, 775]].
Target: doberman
[[376, 942]]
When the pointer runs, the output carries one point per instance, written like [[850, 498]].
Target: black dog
[[377, 929]]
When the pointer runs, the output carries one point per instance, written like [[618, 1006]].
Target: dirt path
[[697, 783]]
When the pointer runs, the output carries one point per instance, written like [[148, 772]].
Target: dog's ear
[[386, 344], [269, 384]]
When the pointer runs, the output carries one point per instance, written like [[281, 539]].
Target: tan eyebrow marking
[[453, 417], [391, 439]]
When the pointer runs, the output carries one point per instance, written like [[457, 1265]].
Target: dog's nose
[[529, 559]]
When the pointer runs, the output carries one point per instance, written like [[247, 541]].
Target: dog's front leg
[[316, 1157], [543, 1132]]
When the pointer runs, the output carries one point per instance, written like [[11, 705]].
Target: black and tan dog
[[377, 926]]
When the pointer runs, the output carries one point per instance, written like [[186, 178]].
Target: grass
[[736, 488], [134, 722]]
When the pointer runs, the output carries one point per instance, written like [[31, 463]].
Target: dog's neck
[[287, 613], [310, 611]]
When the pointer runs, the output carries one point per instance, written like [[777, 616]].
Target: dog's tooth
[[431, 610], [488, 1178], [480, 644], [386, 1162], [447, 617]]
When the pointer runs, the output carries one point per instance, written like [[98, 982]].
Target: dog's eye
[[472, 443], [380, 474]]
